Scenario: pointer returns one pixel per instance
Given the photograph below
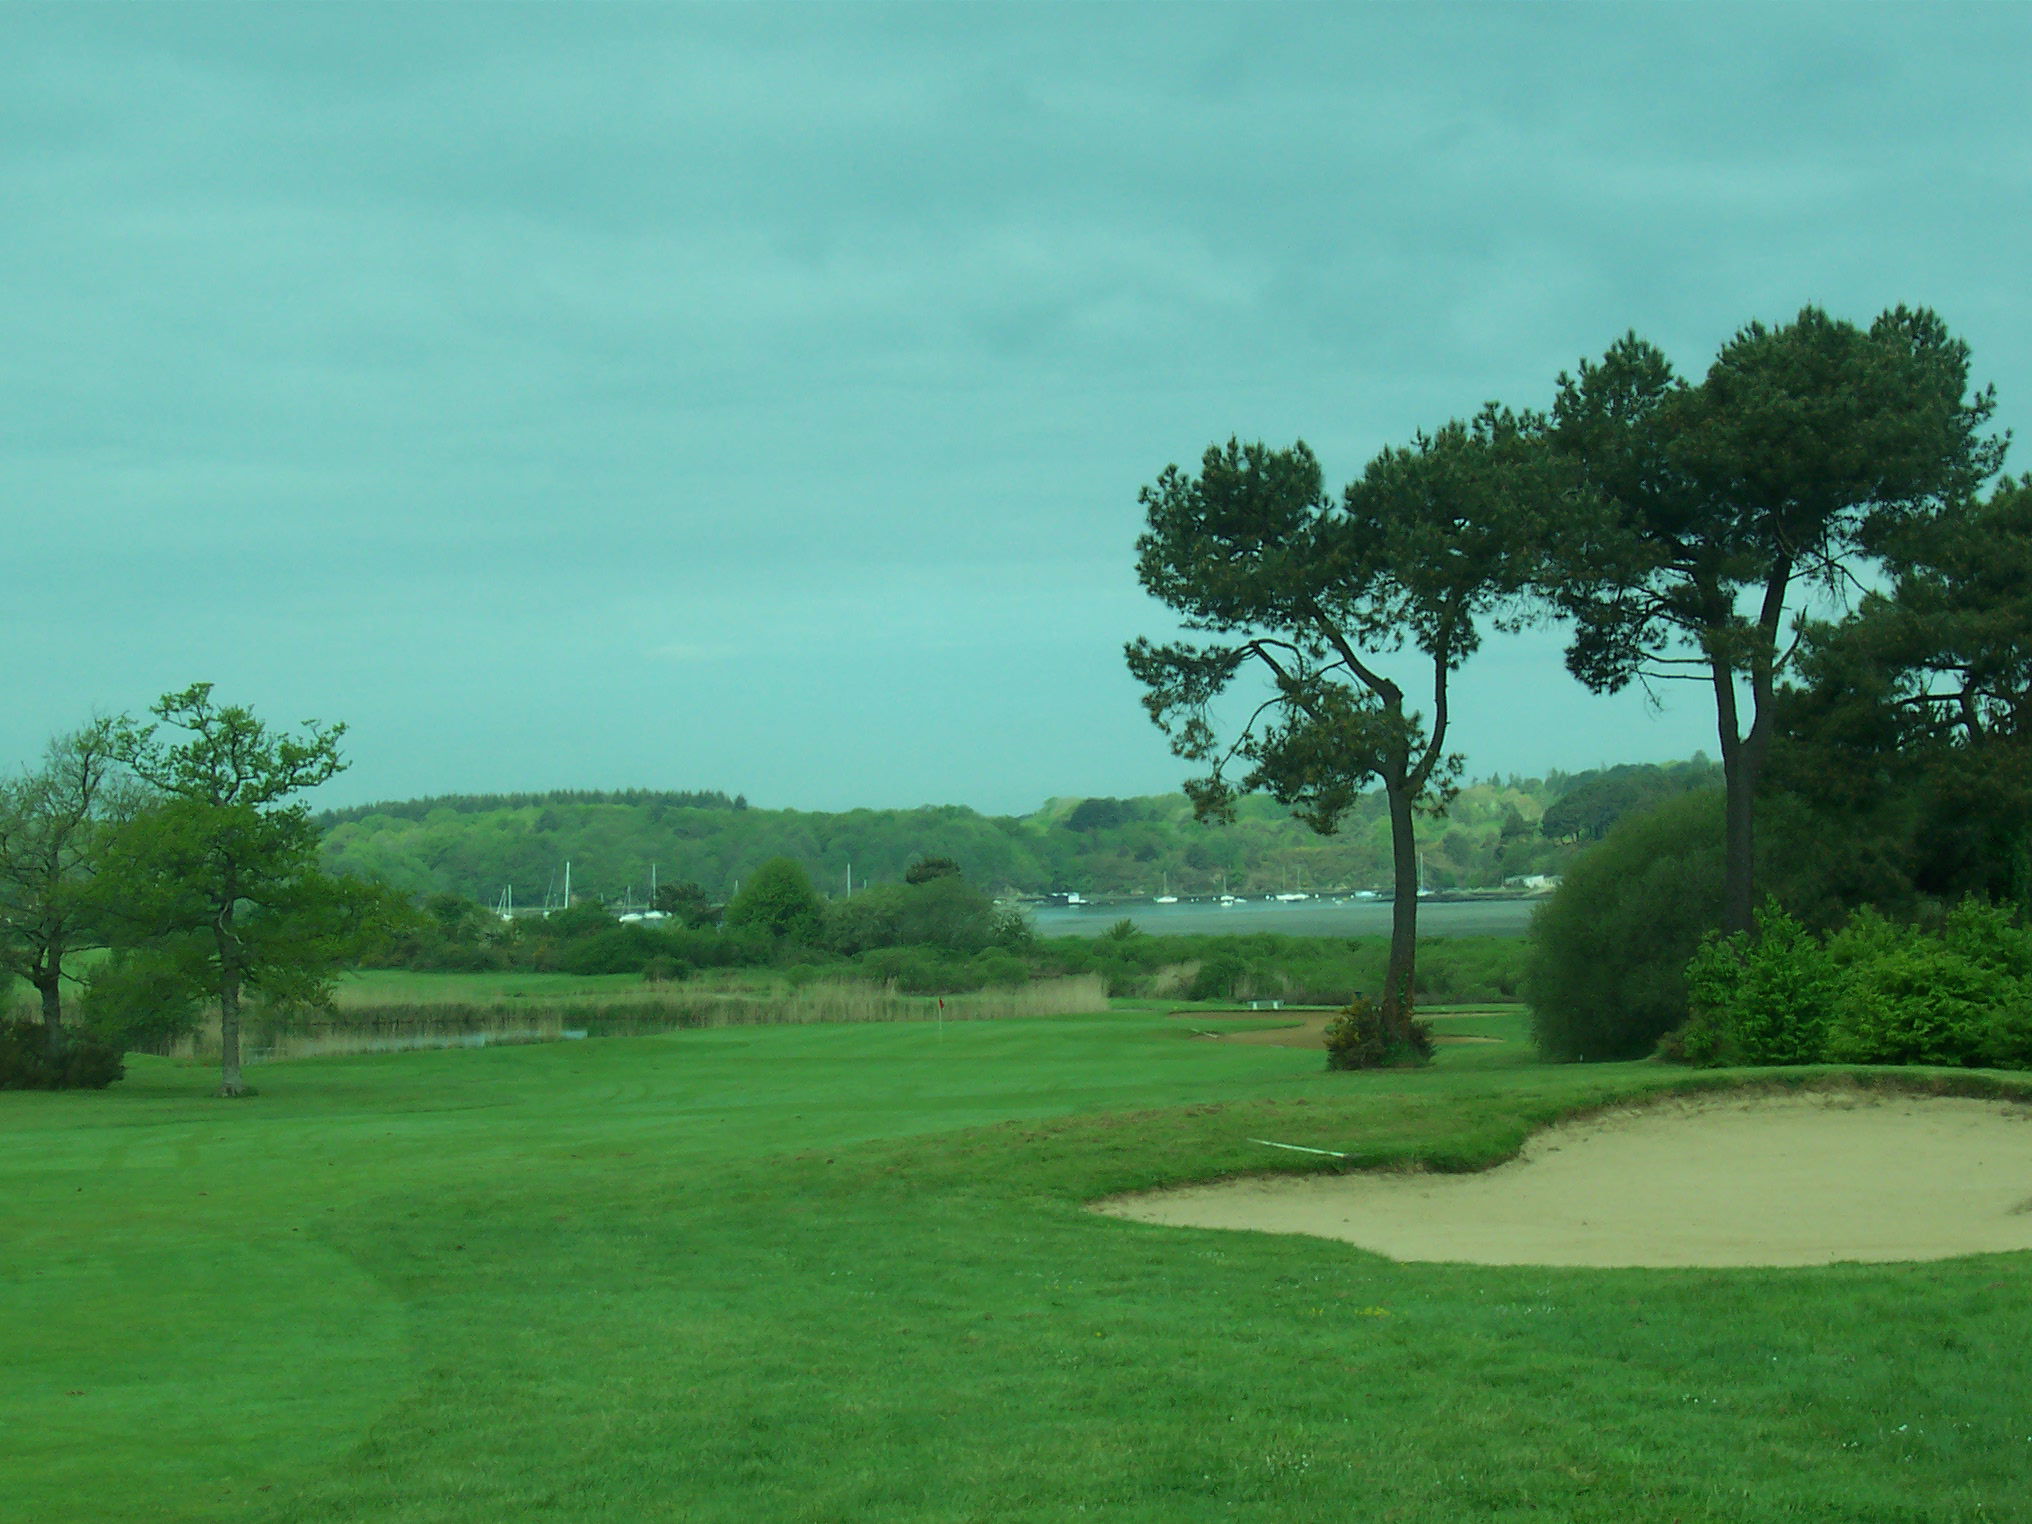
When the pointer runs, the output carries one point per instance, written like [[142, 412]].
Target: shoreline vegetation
[[355, 1026], [484, 846]]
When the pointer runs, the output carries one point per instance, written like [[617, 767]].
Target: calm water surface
[[1301, 918]]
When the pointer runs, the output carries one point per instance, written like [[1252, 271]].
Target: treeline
[[480, 847], [933, 934], [1895, 847], [480, 804]]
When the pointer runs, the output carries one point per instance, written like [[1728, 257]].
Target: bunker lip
[[1735, 1180]]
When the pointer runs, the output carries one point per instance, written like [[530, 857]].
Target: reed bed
[[394, 1027]]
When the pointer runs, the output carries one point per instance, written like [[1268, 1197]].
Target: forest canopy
[[478, 846]]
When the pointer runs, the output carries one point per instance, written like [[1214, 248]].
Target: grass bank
[[843, 1272]]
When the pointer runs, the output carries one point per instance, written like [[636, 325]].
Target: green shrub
[[1875, 992], [1469, 968], [664, 969], [1606, 968], [1989, 935], [920, 970], [82, 1061], [1954, 996], [943, 911], [1919, 1002], [1355, 1039], [2007, 1044], [778, 901], [459, 958], [998, 968], [1216, 978], [867, 919], [619, 950], [142, 1001], [585, 919], [1766, 1001]]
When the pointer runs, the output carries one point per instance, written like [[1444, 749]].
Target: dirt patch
[[1796, 1180], [1311, 1033]]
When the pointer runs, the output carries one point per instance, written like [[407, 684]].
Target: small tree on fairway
[[227, 859], [1432, 541], [52, 828]]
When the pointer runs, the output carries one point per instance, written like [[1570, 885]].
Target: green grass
[[842, 1273]]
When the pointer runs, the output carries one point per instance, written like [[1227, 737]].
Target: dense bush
[[923, 970], [1873, 993], [942, 910], [583, 919], [142, 1001], [778, 901], [1606, 969], [1916, 1003], [1216, 978], [1760, 1002], [82, 1060], [1355, 1039], [617, 950]]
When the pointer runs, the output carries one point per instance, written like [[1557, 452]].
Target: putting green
[[1802, 1180]]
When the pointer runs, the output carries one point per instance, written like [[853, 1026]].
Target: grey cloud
[[481, 347]]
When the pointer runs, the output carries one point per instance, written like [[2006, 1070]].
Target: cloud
[[423, 356]]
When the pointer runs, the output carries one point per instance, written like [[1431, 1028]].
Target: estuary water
[[1293, 918]]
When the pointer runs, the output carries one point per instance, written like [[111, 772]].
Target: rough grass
[[842, 1272]]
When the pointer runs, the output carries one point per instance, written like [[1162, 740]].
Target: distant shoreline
[[1481, 916]]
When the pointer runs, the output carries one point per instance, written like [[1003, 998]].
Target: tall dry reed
[[392, 1027]]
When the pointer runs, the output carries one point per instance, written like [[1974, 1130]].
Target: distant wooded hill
[[479, 845]]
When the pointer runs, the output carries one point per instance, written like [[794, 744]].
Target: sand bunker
[[1797, 1180]]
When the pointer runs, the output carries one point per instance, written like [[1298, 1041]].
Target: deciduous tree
[[53, 821], [229, 857], [778, 899]]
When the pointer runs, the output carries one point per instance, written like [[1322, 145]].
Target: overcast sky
[[756, 397]]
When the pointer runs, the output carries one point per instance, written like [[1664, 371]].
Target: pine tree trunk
[[1402, 973], [1739, 849], [1739, 782]]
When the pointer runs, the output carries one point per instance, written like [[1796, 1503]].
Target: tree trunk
[[1399, 980], [49, 986], [1739, 844], [1739, 780], [230, 1083]]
